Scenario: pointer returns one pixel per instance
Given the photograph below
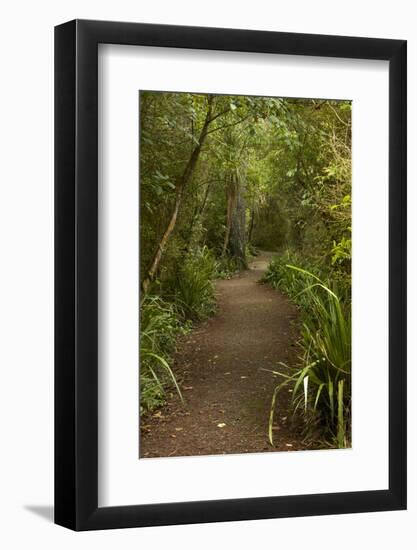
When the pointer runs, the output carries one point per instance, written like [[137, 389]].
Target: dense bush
[[160, 325], [187, 298], [226, 267], [194, 290], [321, 387]]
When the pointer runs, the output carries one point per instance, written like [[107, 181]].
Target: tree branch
[[228, 125], [219, 114]]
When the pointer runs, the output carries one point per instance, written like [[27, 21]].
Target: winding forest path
[[227, 396]]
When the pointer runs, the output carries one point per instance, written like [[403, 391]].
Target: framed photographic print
[[230, 252]]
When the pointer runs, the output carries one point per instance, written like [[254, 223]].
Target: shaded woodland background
[[222, 177]]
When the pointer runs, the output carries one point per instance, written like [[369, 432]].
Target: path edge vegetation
[[321, 385]]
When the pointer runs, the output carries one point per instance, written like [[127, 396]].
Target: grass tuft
[[324, 378]]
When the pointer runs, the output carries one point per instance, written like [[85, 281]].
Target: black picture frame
[[76, 273]]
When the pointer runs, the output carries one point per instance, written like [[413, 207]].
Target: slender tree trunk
[[198, 212], [235, 236], [251, 224], [231, 201], [206, 195], [181, 185], [237, 241]]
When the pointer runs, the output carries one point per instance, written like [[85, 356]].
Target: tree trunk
[[251, 224], [235, 236], [231, 201], [198, 212], [237, 243], [181, 185]]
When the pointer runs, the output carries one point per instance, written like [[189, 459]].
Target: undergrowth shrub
[[187, 297], [160, 325], [321, 386], [194, 289], [226, 268]]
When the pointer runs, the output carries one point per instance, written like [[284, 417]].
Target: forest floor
[[219, 364]]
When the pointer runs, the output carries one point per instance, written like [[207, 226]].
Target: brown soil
[[227, 394]]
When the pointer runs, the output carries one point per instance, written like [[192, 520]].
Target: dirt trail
[[227, 396]]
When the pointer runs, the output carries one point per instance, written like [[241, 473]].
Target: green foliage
[[163, 319], [341, 251], [190, 297], [160, 326], [323, 380], [193, 286], [226, 267]]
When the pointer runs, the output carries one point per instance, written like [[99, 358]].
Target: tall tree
[[237, 243], [180, 188]]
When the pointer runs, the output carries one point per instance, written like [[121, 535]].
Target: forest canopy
[[240, 171]]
